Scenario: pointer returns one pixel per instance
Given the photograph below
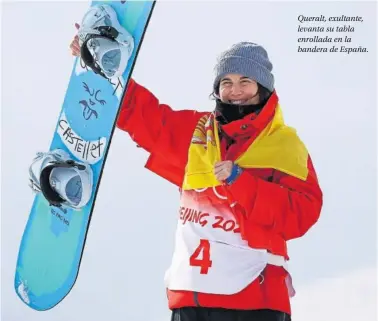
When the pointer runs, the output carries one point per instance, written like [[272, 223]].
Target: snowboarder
[[247, 186]]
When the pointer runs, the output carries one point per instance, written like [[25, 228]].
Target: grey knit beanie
[[248, 59]]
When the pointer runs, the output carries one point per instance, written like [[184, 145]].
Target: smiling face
[[238, 89], [90, 105]]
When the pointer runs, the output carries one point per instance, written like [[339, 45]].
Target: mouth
[[88, 112], [238, 102]]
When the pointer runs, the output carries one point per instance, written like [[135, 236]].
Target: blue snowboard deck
[[54, 238]]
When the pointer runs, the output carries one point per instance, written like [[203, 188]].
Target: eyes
[[228, 83], [93, 93]]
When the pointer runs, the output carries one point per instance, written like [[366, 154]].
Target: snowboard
[[53, 241]]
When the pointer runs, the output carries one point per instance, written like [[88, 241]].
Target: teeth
[[237, 102]]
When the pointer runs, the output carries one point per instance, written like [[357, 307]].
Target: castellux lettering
[[88, 151]]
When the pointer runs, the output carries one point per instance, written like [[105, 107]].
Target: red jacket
[[272, 207]]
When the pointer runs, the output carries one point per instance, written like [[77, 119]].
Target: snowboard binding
[[105, 46], [62, 181]]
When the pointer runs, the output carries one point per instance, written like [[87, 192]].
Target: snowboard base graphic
[[53, 241]]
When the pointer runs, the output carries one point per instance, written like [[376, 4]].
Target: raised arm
[[161, 131]]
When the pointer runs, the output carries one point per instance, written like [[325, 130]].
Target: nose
[[235, 89]]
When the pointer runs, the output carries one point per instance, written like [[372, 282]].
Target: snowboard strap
[[47, 190], [107, 32]]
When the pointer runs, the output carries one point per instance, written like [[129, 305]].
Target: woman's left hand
[[222, 170]]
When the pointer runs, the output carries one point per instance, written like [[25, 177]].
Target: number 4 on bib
[[205, 263]]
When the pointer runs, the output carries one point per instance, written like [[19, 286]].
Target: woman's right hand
[[74, 46]]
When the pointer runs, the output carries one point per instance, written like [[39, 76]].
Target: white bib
[[210, 255]]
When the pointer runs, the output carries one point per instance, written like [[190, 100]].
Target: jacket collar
[[251, 123]]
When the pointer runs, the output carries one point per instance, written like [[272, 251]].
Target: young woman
[[247, 186]]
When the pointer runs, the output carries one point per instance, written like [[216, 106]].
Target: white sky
[[330, 98]]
